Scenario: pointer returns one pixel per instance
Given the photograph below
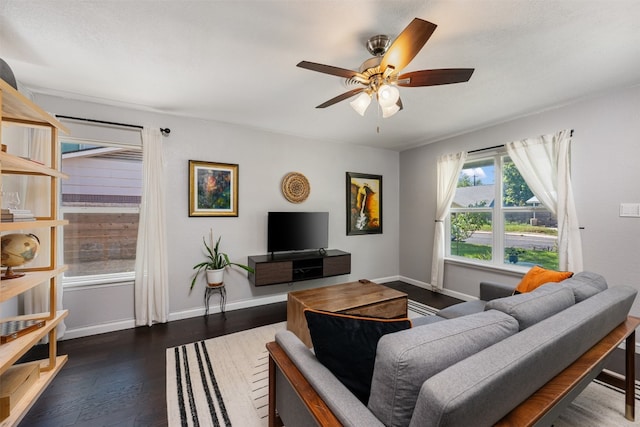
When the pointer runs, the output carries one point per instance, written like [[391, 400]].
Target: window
[[101, 200], [495, 218]]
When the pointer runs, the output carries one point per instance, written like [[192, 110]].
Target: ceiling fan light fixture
[[361, 103], [388, 95], [390, 111]]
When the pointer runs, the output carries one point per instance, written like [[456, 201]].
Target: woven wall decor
[[295, 187]]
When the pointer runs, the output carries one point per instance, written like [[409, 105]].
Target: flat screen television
[[297, 231]]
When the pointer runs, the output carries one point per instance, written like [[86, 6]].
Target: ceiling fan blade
[[442, 76], [328, 69], [407, 45], [341, 97]]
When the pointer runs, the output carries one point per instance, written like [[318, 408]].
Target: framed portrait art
[[364, 203], [213, 189]]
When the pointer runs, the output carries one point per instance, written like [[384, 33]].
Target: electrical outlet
[[630, 210]]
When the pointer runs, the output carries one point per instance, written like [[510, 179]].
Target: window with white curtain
[[496, 219], [101, 200]]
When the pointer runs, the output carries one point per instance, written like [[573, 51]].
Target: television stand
[[273, 269]]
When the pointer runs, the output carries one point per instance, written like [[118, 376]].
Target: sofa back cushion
[[404, 360], [585, 284], [483, 388], [531, 307]]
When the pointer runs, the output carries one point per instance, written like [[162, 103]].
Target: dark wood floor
[[118, 378]]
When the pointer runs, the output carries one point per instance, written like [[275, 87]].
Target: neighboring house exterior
[[101, 200], [474, 196]]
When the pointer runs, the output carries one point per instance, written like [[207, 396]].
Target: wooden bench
[[541, 408]]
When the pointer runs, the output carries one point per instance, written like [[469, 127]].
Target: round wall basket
[[295, 187]]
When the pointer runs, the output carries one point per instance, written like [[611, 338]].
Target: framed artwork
[[213, 189], [364, 203]]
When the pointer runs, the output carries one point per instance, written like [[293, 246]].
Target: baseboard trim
[[237, 305], [448, 292], [86, 331]]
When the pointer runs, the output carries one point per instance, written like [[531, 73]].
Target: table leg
[[223, 300], [630, 377], [207, 296]]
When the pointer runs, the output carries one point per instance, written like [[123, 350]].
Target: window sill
[[514, 271], [116, 279]]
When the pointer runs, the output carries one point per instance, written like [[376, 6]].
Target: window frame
[[120, 278], [498, 213]]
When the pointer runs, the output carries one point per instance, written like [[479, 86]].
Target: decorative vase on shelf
[[17, 250]]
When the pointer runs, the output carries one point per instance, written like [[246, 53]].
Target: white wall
[[263, 159], [605, 172]]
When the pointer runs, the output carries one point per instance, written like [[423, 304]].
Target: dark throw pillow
[[346, 345]]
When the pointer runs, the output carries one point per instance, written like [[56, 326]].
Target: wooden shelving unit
[[15, 109]]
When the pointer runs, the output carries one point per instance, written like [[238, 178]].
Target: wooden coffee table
[[362, 298]]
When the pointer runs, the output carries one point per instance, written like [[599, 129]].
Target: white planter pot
[[215, 277]]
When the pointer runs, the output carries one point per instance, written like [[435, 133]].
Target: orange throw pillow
[[539, 276]]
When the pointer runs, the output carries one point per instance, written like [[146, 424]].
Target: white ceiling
[[235, 61]]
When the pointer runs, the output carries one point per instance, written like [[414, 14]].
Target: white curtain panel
[[545, 165], [448, 169], [36, 300], [152, 278]]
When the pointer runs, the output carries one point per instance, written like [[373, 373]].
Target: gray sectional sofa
[[471, 368]]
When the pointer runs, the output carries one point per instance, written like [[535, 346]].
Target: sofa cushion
[[585, 284], [425, 320], [346, 345], [404, 360], [537, 276], [532, 307], [462, 309], [484, 387]]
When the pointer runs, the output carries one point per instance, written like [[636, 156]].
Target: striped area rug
[[213, 382], [417, 309]]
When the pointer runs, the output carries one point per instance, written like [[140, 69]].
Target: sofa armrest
[[326, 399], [278, 359], [493, 290]]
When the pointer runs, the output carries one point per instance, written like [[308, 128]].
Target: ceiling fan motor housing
[[378, 45]]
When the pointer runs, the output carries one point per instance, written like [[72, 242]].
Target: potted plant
[[513, 254], [214, 265]]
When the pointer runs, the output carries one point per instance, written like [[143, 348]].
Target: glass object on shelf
[[10, 199]]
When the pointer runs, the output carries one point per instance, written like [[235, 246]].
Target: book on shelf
[[14, 215], [15, 211], [26, 219], [17, 217]]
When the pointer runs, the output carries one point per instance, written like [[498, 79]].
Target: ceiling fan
[[380, 75]]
